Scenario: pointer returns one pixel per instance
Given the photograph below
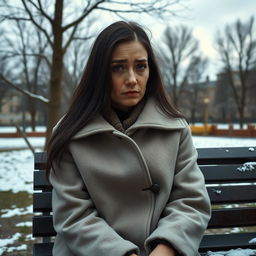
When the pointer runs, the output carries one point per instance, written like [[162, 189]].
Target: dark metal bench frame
[[225, 184]]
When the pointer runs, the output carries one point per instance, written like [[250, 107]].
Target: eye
[[117, 68], [141, 66]]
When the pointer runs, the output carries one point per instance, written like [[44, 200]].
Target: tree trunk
[[56, 71], [32, 112], [241, 116]]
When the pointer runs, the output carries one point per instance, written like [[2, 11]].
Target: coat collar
[[151, 117]]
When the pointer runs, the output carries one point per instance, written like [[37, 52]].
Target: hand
[[163, 250]]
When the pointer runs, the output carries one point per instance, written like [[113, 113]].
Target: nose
[[131, 78]]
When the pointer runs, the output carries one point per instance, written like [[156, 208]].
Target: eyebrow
[[124, 60]]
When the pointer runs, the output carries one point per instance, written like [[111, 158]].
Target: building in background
[[15, 110]]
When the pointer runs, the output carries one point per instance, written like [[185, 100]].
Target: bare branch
[[8, 17], [124, 11], [9, 54], [83, 38], [30, 94], [155, 7], [23, 134], [36, 24], [23, 50], [71, 37], [43, 12], [85, 13]]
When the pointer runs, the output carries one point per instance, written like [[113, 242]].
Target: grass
[[8, 225], [9, 200]]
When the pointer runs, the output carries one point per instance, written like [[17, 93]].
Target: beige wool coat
[[102, 201]]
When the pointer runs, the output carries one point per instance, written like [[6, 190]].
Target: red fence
[[18, 135], [249, 132]]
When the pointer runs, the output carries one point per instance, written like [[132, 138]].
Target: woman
[[123, 167]]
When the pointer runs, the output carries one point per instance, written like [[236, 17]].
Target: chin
[[127, 104], [132, 103]]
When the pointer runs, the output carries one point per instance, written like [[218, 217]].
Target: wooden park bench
[[231, 186]]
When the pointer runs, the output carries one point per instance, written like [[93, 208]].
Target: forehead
[[126, 50]]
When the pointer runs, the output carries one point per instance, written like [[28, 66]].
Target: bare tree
[[25, 56], [195, 73], [181, 47], [54, 30], [5, 72], [237, 49], [30, 78]]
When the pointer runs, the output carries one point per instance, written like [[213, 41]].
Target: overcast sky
[[207, 16]]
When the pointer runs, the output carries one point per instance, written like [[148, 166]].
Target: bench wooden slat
[[43, 226], [40, 160], [40, 181], [234, 155], [223, 242], [42, 202], [237, 217], [232, 194], [226, 174], [43, 249]]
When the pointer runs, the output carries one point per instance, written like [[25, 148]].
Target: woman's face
[[129, 74]]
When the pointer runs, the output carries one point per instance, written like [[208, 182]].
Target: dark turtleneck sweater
[[122, 120]]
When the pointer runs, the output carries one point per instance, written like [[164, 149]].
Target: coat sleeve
[[75, 218], [188, 209]]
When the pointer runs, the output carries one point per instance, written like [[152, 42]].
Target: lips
[[131, 93]]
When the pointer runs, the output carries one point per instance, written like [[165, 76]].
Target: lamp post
[[206, 113]]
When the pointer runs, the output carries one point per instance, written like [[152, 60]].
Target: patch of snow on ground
[[16, 212], [6, 241], [24, 224], [28, 129], [16, 143], [22, 247], [30, 237], [16, 171]]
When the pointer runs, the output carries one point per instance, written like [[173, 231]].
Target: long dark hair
[[92, 95]]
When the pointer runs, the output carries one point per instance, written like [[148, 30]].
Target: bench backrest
[[231, 185]]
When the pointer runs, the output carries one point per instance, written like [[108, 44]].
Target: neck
[[123, 114]]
